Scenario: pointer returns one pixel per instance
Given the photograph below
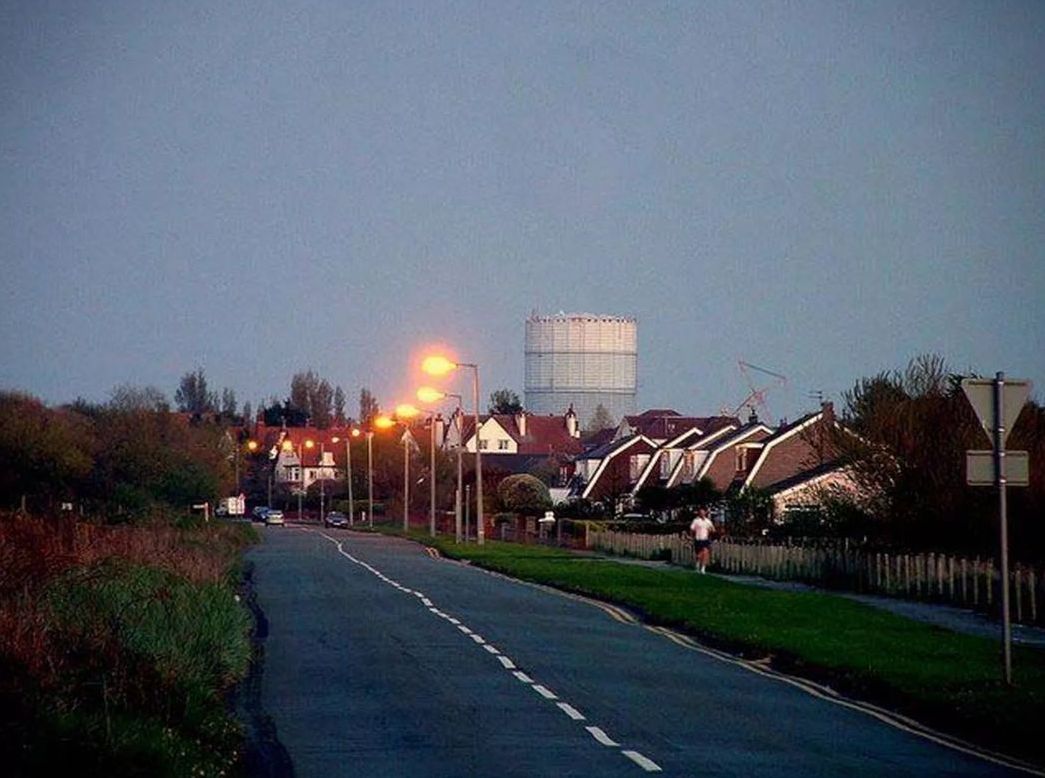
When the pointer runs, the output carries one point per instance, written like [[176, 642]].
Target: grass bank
[[117, 645], [944, 679]]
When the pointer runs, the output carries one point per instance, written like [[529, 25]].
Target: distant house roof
[[665, 424], [544, 435]]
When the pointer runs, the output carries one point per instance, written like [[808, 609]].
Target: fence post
[[1033, 596]]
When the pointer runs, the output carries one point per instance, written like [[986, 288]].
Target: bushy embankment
[[943, 678], [116, 646]]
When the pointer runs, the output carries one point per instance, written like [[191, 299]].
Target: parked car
[[258, 514], [336, 519], [273, 517]]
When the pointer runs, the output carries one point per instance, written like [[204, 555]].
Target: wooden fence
[[972, 583]]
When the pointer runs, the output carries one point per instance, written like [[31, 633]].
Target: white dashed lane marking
[[602, 737], [642, 761], [646, 764], [571, 711], [545, 692]]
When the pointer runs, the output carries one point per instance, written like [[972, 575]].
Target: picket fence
[[971, 583]]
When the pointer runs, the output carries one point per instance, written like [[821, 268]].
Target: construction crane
[[756, 399]]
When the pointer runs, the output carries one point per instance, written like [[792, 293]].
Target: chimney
[[572, 426], [828, 409], [520, 422]]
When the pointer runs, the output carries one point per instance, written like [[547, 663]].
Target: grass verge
[[941, 678], [117, 645]]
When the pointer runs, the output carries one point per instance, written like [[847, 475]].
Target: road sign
[[980, 392], [979, 468]]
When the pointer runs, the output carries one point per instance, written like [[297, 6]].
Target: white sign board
[[980, 393], [979, 468]]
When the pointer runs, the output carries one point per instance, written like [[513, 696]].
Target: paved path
[[380, 660]]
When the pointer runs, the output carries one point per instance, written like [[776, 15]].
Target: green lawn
[[947, 680]]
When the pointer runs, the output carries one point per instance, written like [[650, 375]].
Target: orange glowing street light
[[406, 411], [437, 365], [252, 446], [384, 422], [428, 394]]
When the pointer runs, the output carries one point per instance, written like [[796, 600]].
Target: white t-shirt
[[701, 528]]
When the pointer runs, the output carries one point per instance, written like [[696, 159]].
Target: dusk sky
[[825, 189]]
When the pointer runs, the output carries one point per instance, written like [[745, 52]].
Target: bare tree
[[339, 407]]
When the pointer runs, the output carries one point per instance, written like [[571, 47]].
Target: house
[[798, 462], [518, 443], [613, 469], [300, 456], [677, 458], [663, 424]]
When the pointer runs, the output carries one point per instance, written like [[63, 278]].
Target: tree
[[339, 407], [908, 461], [134, 398], [193, 396], [524, 494], [248, 413], [368, 407], [600, 420], [504, 401], [228, 402], [313, 396]]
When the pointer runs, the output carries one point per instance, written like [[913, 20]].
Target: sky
[[824, 189]]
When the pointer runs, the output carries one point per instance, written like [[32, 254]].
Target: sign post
[[997, 404]]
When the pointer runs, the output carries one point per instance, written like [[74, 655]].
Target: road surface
[[382, 660]]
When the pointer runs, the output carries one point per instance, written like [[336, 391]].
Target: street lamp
[[354, 433], [427, 394], [438, 365], [304, 481], [382, 423], [409, 411]]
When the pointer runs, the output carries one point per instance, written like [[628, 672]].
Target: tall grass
[[116, 645]]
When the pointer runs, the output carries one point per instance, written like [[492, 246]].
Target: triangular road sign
[[980, 393]]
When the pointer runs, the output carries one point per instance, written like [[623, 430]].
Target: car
[[335, 519], [273, 517], [258, 514]]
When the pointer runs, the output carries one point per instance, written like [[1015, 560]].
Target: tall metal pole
[[406, 481], [348, 471], [999, 478], [431, 479], [480, 530], [370, 476], [322, 501], [460, 494], [467, 506]]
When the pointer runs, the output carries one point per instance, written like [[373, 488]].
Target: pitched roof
[[544, 434], [667, 424]]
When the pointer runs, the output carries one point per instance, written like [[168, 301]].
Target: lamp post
[[440, 365], [322, 490], [382, 423], [370, 475], [304, 482], [353, 433], [408, 412], [429, 395]]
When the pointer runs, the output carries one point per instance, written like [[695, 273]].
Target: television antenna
[[756, 399]]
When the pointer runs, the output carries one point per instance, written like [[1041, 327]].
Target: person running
[[701, 529]]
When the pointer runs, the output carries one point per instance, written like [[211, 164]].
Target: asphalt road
[[381, 660]]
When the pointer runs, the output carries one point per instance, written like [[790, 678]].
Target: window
[[636, 464], [502, 445], [483, 445]]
